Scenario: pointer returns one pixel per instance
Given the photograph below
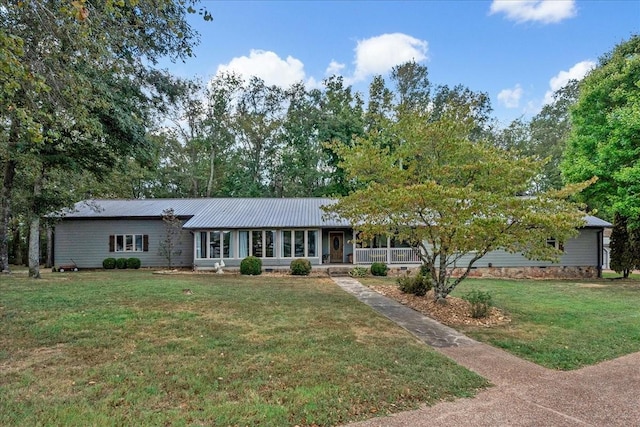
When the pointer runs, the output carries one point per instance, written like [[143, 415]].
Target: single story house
[[275, 230]]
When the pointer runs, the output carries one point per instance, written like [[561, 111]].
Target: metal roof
[[119, 208], [263, 213], [230, 212], [594, 221], [216, 213]]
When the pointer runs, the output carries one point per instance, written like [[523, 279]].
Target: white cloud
[[577, 72], [268, 66], [377, 55], [510, 98], [544, 11], [334, 68]]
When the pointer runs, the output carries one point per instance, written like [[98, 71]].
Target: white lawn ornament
[[218, 267]]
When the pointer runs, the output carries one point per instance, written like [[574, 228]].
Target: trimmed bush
[[358, 272], [121, 263], [379, 269], [251, 266], [418, 285], [134, 263], [480, 303], [109, 263], [300, 267]]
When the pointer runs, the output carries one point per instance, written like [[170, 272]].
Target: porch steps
[[339, 271]]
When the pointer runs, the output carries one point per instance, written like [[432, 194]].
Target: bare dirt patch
[[455, 312], [592, 285]]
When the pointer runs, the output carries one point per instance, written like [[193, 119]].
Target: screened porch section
[[388, 251]]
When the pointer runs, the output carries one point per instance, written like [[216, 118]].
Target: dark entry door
[[336, 246]]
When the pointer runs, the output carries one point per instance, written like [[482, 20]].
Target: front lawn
[[136, 348], [559, 324]]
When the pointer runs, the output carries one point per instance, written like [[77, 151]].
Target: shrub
[[134, 263], [251, 266], [418, 285], [425, 270], [109, 263], [379, 269], [480, 303], [300, 267], [121, 263], [358, 272]]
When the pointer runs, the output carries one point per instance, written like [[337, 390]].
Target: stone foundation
[[550, 272]]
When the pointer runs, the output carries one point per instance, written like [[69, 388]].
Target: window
[[552, 241], [214, 244], [286, 244], [256, 244], [312, 238], [259, 243], [201, 245], [299, 243], [128, 243], [243, 244], [269, 243]]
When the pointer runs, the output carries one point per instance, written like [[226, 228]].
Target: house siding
[[87, 242], [581, 251]]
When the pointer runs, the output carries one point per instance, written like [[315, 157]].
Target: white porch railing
[[386, 255]]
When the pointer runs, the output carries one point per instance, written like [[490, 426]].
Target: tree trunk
[[5, 211], [212, 160], [49, 262], [34, 247], [17, 244], [34, 230]]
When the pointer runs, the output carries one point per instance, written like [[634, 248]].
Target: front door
[[336, 246]]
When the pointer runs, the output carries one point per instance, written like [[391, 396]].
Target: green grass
[[560, 324], [132, 348]]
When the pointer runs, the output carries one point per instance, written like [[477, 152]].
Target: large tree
[[78, 86], [605, 135], [451, 194]]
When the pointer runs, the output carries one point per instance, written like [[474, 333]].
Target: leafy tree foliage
[[604, 140], [77, 92], [451, 194], [622, 257], [543, 137]]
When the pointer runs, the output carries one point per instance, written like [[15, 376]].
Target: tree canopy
[[78, 89], [605, 135]]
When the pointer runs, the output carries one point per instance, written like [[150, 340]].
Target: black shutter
[[145, 243], [112, 243]]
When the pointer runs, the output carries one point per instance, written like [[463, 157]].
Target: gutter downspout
[[600, 249]]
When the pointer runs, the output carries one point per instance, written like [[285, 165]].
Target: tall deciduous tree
[[452, 195], [605, 136], [342, 119], [80, 85]]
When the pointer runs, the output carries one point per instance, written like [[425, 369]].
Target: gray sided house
[[275, 230]]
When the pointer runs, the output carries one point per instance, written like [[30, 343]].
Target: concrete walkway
[[524, 394]]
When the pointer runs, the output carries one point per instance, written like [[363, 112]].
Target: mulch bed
[[455, 312]]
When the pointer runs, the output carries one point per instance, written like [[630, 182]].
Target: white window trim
[[207, 248], [293, 242], [124, 242]]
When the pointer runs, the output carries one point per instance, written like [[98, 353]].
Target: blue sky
[[516, 51]]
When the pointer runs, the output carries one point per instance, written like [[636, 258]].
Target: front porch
[[389, 256]]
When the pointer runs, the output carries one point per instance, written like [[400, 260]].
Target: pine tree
[[634, 243], [622, 260]]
